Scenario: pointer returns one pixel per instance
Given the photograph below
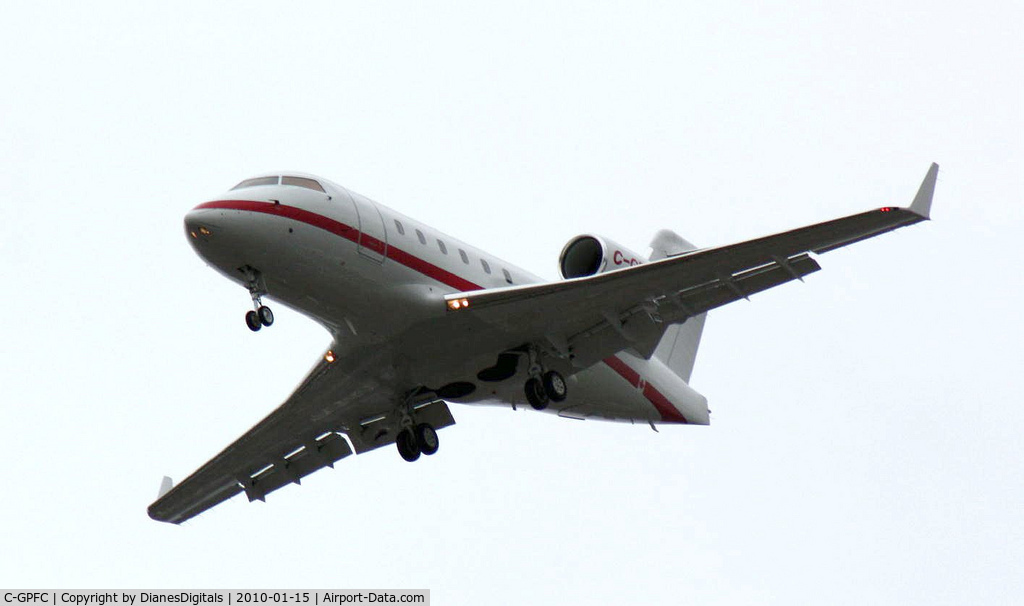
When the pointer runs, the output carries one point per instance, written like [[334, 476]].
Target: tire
[[555, 386], [266, 316], [407, 446], [535, 394], [252, 320], [426, 439]]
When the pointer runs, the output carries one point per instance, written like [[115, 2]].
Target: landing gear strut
[[261, 315], [414, 438]]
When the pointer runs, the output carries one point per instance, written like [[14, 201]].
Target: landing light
[[193, 234], [204, 231], [456, 304], [329, 356]]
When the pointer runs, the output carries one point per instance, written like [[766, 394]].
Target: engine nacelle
[[587, 255]]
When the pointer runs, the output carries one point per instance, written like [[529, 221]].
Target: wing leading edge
[[631, 307]]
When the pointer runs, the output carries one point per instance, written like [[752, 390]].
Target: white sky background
[[865, 445]]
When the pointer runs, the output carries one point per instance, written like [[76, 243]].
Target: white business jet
[[420, 319]]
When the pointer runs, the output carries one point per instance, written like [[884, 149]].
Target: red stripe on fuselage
[[665, 408], [349, 233], [668, 412]]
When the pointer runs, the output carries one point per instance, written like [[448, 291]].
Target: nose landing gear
[[252, 320], [260, 315]]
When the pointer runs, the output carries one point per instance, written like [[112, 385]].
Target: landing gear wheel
[[265, 315], [554, 386], [535, 394], [426, 439], [252, 320], [407, 445]]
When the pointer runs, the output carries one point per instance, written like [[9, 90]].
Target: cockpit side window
[[303, 182], [257, 181]]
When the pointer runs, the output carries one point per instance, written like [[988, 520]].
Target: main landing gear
[[549, 387], [416, 440], [260, 315], [544, 387]]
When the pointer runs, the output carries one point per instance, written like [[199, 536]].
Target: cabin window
[[255, 182], [508, 276], [419, 235], [312, 184], [399, 227], [444, 249], [465, 257], [487, 268]]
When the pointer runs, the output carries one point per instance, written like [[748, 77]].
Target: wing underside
[[339, 409]]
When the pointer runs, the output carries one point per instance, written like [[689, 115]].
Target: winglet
[[922, 204], [165, 486]]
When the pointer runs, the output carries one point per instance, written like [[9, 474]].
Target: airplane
[[419, 319]]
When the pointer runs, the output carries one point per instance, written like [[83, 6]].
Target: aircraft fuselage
[[372, 275]]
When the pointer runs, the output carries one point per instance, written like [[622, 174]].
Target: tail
[[678, 346]]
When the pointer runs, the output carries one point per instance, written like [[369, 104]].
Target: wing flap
[[298, 464], [591, 345], [699, 299]]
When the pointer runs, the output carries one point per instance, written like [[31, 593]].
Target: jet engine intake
[[587, 255]]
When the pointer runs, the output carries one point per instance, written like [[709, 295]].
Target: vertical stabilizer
[[678, 346]]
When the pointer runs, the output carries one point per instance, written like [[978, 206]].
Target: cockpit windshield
[[306, 182], [303, 182], [256, 181]]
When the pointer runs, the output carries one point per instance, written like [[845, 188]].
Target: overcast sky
[[865, 444]]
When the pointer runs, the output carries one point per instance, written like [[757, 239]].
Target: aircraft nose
[[195, 226], [202, 223]]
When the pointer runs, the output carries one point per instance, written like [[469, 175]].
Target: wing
[[347, 397], [587, 319]]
